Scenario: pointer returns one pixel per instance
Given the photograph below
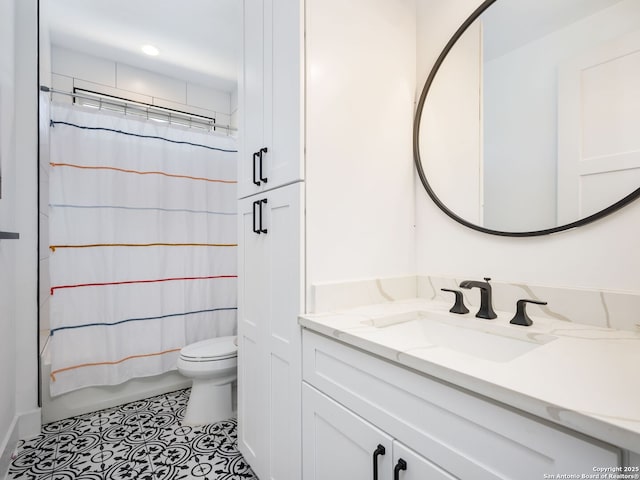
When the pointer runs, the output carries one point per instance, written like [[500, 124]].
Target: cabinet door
[[270, 92], [269, 355], [283, 122], [252, 96], [283, 337], [253, 310], [339, 445], [416, 467]]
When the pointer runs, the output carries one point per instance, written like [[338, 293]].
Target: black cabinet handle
[[257, 215], [262, 229], [260, 152], [256, 182], [256, 206], [401, 465], [380, 450]]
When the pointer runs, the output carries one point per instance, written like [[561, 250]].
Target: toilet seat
[[213, 349]]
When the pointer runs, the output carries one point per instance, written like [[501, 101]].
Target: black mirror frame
[[418, 162]]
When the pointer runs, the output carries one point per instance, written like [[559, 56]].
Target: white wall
[[604, 255], [43, 218], [360, 82], [8, 204], [457, 89], [19, 412], [26, 124], [234, 109], [44, 52], [44, 61], [511, 152], [74, 69]]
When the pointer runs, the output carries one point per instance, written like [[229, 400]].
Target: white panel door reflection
[[599, 127]]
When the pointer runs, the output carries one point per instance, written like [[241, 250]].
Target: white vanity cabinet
[[270, 96], [339, 445], [269, 338], [445, 431]]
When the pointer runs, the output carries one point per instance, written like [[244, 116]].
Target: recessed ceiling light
[[150, 50]]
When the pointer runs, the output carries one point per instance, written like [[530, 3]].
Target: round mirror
[[529, 122]]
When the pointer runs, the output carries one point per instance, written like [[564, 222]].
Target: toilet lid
[[212, 349]]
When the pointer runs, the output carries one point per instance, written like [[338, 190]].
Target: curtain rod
[[131, 106]]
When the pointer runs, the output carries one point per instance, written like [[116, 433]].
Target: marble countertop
[[585, 378]]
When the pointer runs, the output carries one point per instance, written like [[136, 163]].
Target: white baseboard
[[7, 447], [29, 424]]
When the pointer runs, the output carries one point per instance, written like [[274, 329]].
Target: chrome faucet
[[486, 308]]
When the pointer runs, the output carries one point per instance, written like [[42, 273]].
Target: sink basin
[[468, 335]]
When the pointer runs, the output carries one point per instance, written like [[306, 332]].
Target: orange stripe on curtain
[[128, 282], [141, 172], [131, 357]]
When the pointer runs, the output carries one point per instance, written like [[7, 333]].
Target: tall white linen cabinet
[[271, 283]]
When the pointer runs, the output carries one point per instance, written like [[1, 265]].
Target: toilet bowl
[[212, 364]]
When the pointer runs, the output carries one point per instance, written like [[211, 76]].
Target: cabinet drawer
[[466, 435]]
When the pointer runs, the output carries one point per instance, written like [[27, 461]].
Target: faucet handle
[[521, 317], [487, 279], [459, 306]]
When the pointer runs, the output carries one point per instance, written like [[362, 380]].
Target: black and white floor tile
[[143, 440]]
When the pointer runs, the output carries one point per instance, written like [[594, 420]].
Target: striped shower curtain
[[142, 228]]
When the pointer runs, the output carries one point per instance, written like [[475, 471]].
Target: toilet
[[212, 364]]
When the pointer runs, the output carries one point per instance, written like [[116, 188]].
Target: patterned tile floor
[[140, 440]]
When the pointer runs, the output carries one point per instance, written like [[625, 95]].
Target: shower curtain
[[142, 229]]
